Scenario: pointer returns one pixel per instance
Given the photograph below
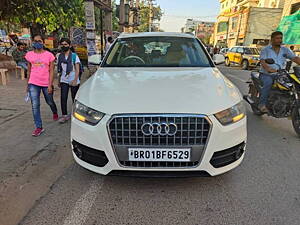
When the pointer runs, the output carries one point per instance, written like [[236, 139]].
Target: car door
[[231, 54], [239, 55]]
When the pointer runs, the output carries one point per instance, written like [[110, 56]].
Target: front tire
[[245, 65], [296, 120], [227, 62]]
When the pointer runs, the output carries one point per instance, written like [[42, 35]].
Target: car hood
[[158, 90]]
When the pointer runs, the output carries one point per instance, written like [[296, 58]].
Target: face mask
[[65, 48], [37, 45]]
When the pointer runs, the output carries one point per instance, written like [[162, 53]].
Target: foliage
[[115, 20], [48, 16], [145, 15]]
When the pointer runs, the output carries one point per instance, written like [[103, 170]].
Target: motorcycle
[[284, 98]]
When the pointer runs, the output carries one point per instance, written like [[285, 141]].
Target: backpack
[[81, 69]]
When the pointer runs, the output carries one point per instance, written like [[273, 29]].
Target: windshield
[[157, 52], [251, 51]]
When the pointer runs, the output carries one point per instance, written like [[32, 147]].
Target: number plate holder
[[159, 154]]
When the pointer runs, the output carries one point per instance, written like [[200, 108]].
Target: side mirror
[[95, 60], [270, 61]]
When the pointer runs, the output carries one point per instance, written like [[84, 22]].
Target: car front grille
[[126, 131]]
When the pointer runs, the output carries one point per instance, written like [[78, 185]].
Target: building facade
[[204, 31], [271, 3], [242, 22], [191, 25], [290, 7]]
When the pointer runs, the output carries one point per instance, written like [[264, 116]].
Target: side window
[[233, 50], [240, 50]]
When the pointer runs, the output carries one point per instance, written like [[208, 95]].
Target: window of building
[[234, 22], [222, 27], [295, 7]]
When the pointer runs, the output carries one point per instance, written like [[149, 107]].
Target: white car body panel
[[158, 90]]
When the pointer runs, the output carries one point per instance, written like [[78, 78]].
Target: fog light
[[77, 151], [239, 152]]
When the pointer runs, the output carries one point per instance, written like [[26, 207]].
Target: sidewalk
[[28, 165], [17, 146]]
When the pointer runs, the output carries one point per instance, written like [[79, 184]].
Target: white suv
[[158, 106]]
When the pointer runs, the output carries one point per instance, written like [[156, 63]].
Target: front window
[[157, 52]]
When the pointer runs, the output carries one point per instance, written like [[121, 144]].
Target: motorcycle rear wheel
[[296, 120]]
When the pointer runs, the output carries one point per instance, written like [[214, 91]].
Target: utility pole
[[136, 15], [150, 15]]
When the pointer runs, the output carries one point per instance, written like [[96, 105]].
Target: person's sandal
[[62, 119], [37, 132]]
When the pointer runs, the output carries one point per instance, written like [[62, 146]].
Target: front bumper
[[228, 141], [254, 63]]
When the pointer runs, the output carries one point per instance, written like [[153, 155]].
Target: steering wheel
[[137, 60]]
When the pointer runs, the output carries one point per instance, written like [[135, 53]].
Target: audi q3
[[158, 106]]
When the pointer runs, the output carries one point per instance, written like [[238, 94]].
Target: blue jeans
[[267, 85], [34, 93], [23, 65]]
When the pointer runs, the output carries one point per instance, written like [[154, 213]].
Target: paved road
[[265, 189]]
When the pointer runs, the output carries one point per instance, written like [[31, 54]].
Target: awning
[[290, 27]]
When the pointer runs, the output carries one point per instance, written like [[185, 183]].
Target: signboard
[[89, 16], [91, 47], [77, 36], [90, 35], [232, 35], [221, 38], [49, 43]]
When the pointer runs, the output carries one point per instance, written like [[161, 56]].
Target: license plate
[[159, 155]]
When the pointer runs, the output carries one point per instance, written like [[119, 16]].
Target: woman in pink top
[[41, 75]]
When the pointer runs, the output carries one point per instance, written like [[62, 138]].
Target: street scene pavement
[[146, 130], [52, 189]]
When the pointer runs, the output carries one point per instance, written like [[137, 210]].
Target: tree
[[145, 13], [44, 16], [115, 20]]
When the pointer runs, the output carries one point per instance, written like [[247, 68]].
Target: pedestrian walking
[[68, 66], [109, 42], [19, 56], [41, 75]]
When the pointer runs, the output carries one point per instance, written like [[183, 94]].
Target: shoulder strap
[[74, 55]]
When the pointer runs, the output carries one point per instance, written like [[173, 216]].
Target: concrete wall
[[262, 22]]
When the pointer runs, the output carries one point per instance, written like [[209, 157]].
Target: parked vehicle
[[284, 97], [158, 106], [246, 57], [223, 51], [218, 59]]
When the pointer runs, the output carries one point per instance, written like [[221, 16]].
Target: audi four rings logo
[[162, 129]]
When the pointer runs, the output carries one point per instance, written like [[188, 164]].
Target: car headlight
[[232, 115], [86, 114]]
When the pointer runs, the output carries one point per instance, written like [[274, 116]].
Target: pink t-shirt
[[40, 67]]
